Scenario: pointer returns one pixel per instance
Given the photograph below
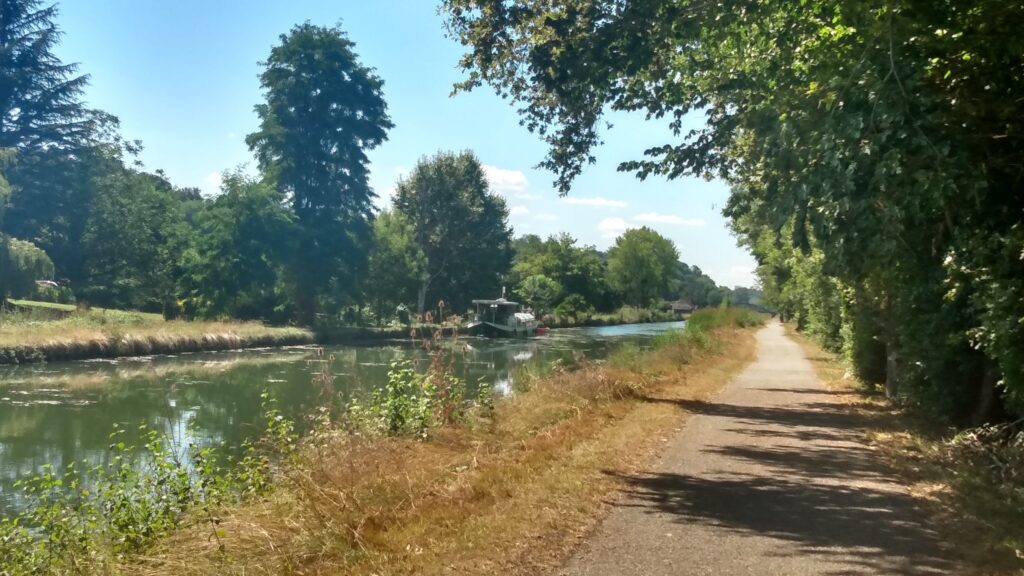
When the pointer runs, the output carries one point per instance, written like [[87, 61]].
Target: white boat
[[500, 317]]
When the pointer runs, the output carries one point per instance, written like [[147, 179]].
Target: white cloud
[[656, 218], [545, 216], [519, 211], [505, 181], [611, 228], [211, 184], [596, 202]]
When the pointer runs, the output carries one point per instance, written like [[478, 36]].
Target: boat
[[497, 318]]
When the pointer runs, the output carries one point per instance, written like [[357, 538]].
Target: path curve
[[773, 476]]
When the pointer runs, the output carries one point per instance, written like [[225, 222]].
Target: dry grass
[[512, 493], [108, 333], [962, 507]]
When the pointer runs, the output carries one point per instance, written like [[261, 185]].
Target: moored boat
[[497, 318]]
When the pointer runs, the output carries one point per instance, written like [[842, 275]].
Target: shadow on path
[[799, 472]]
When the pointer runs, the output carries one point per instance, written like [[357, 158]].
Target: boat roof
[[498, 302]]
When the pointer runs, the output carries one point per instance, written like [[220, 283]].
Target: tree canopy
[[40, 96], [323, 112], [642, 265], [460, 227], [872, 148]]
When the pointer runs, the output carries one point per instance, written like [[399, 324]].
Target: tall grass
[[33, 334]]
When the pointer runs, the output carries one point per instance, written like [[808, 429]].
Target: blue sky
[[182, 77]]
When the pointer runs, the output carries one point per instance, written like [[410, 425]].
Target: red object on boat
[[542, 330]]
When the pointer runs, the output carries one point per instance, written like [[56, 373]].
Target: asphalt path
[[771, 476]]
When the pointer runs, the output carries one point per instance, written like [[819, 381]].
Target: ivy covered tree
[[40, 96], [323, 112]]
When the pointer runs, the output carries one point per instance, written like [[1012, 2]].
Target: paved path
[[770, 477]]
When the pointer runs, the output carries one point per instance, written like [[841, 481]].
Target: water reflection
[[60, 413]]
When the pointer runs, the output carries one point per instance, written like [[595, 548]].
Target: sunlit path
[[772, 476]]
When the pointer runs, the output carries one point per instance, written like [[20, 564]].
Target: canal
[[59, 413]]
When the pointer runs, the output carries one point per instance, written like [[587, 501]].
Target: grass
[[512, 492], [981, 514], [30, 334]]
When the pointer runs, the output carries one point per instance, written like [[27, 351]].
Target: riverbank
[[511, 491], [969, 482], [47, 333]]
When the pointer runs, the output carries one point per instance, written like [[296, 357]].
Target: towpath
[[772, 476]]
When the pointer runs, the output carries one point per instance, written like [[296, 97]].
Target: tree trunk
[[305, 306], [986, 403], [892, 355], [421, 298]]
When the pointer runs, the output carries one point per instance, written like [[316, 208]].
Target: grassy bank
[[508, 486], [972, 482], [35, 332]]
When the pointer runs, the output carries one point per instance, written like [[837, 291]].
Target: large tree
[[881, 141], [642, 265], [396, 264], [133, 243], [323, 112], [40, 96], [242, 241], [460, 226]]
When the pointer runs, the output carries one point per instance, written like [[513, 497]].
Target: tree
[[577, 269], [460, 227], [323, 112], [133, 243], [880, 141], [39, 95], [243, 239], [540, 292], [22, 263], [396, 264], [641, 265]]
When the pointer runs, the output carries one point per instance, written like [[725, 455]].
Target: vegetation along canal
[[59, 413]]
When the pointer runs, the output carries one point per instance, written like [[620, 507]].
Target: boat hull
[[492, 330]]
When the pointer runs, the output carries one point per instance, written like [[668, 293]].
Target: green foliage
[[577, 269], [79, 522], [641, 265], [243, 238], [574, 306], [872, 149], [396, 265], [133, 243], [21, 264], [459, 226], [411, 403], [323, 112], [540, 292], [40, 102]]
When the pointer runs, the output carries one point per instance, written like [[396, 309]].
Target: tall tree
[[460, 226], [396, 264], [133, 243], [40, 97], [243, 239], [323, 112], [882, 141], [641, 265]]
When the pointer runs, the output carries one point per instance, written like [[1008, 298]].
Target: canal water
[[59, 413]]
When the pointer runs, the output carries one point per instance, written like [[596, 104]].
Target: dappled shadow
[[822, 520], [797, 469]]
